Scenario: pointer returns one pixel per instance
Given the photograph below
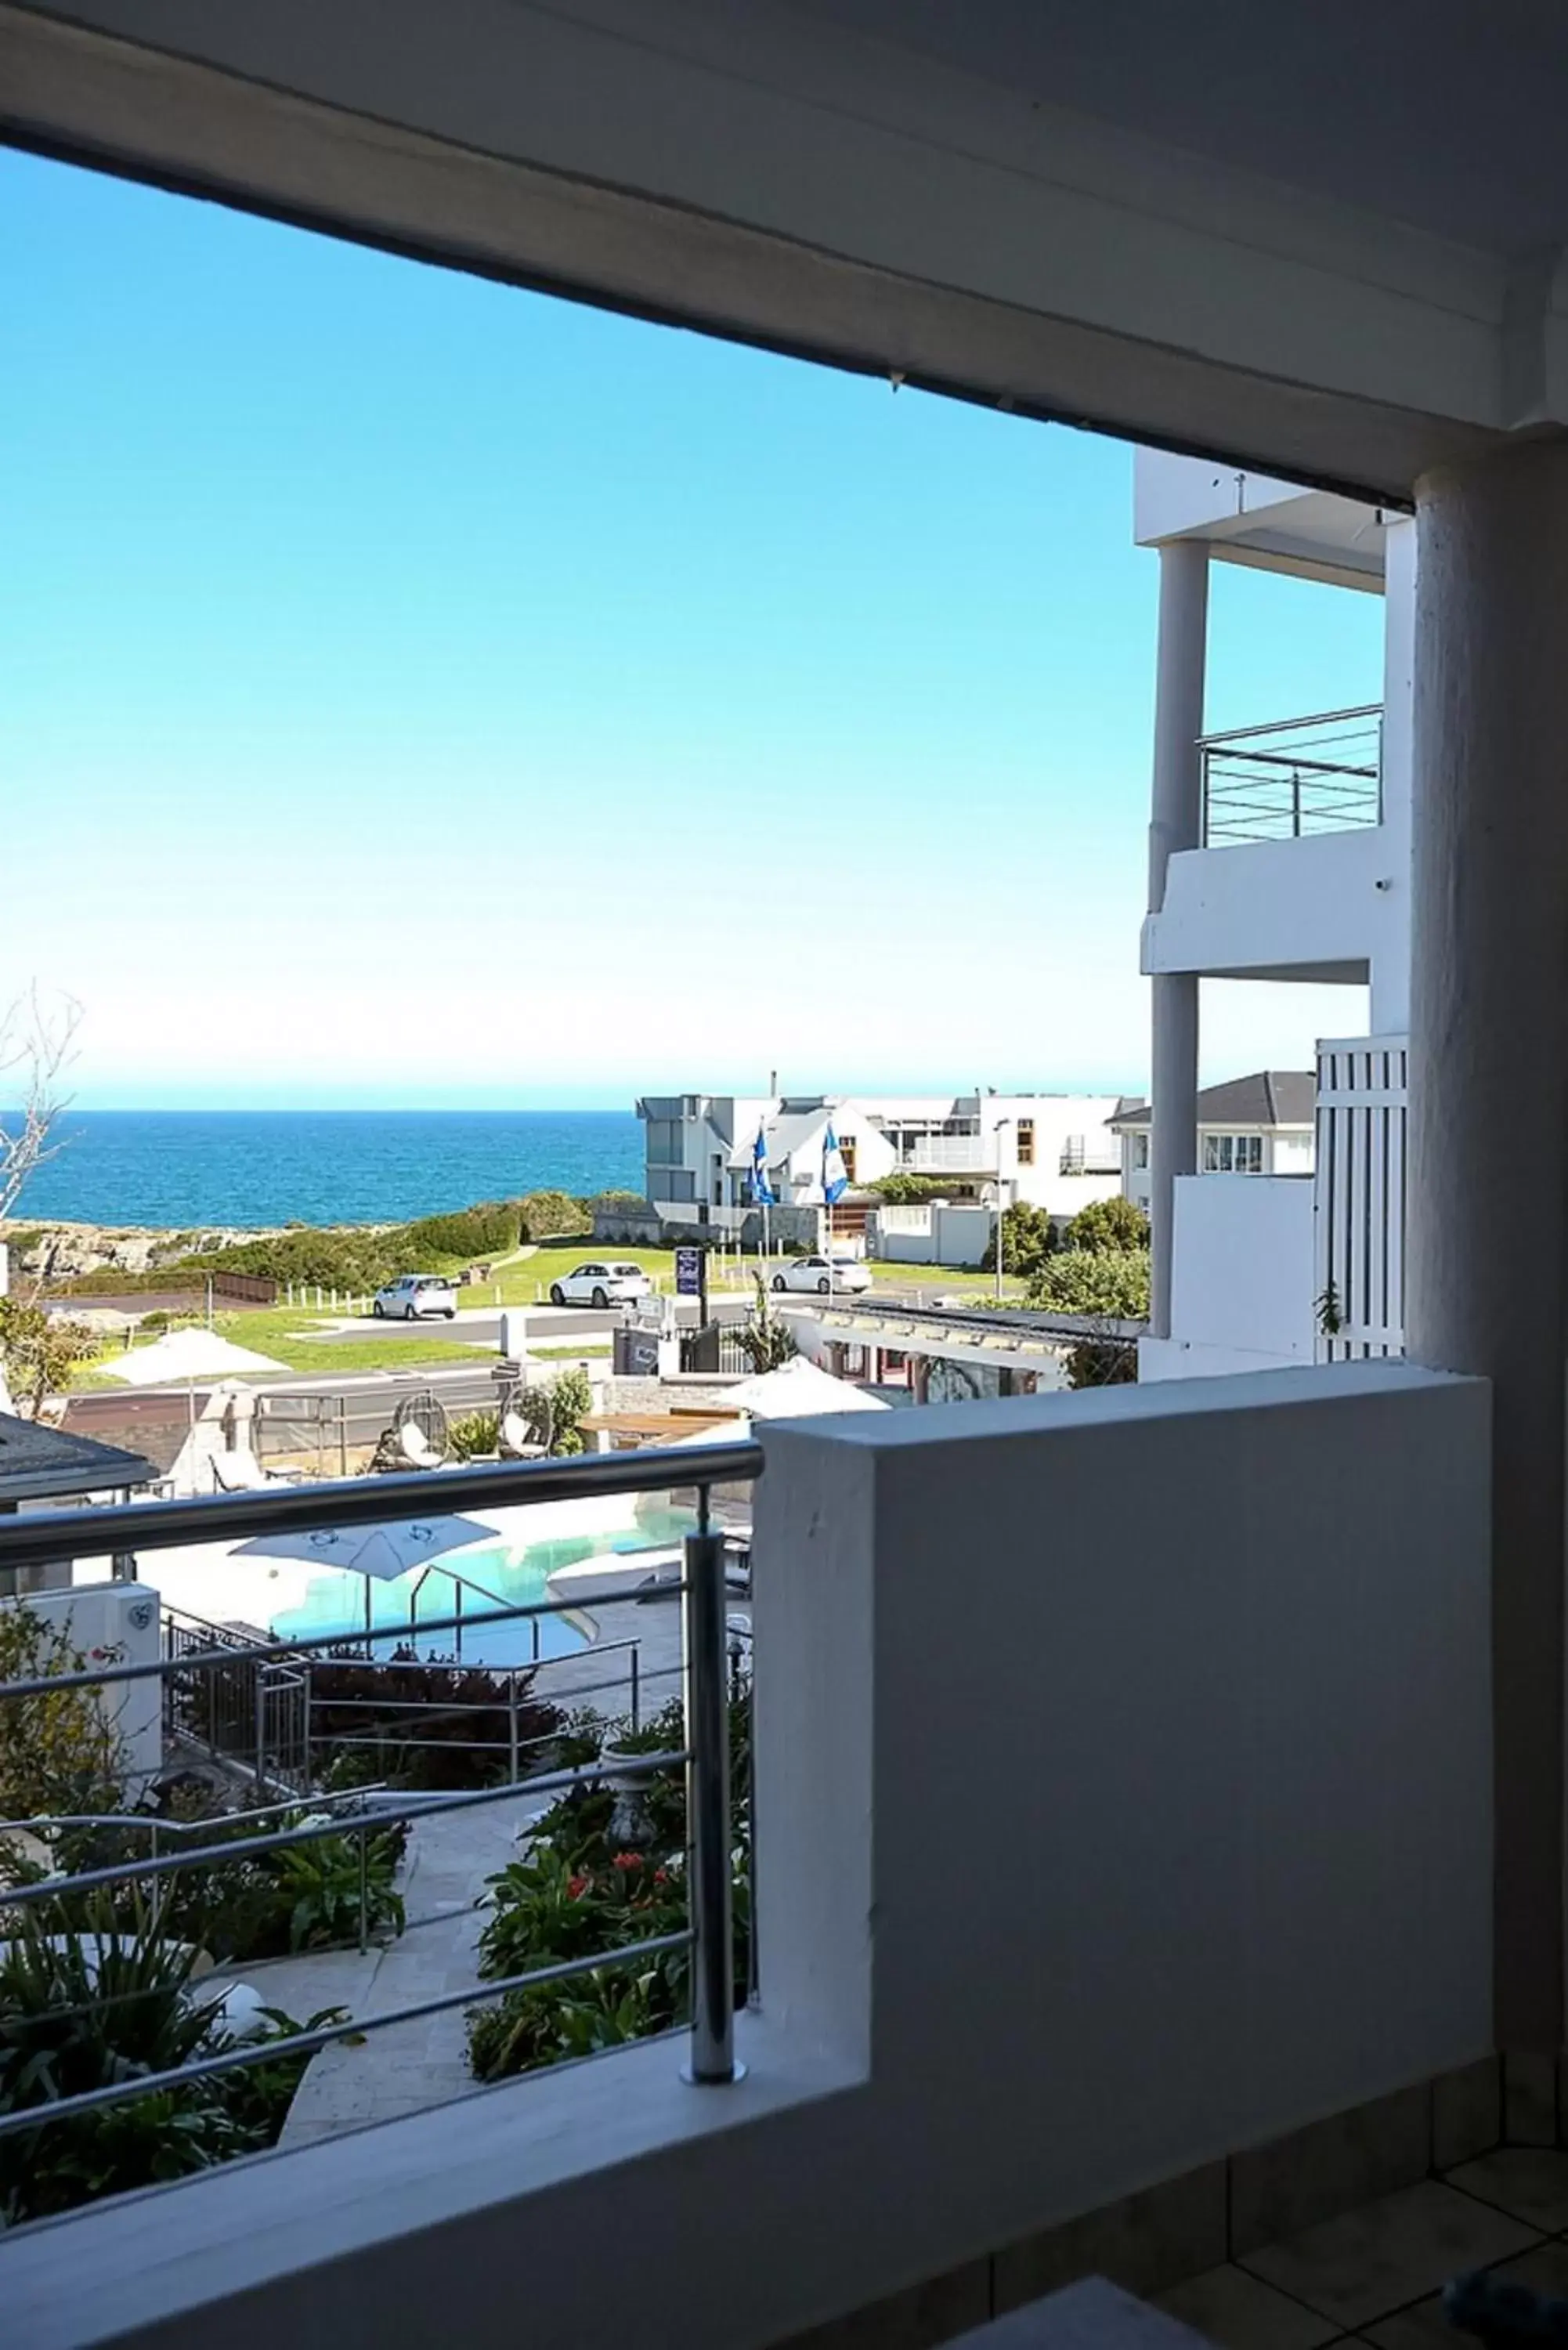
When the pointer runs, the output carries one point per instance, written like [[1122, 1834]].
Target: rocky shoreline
[[59, 1251]]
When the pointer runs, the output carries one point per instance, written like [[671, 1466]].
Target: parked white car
[[414, 1296], [843, 1274], [604, 1281]]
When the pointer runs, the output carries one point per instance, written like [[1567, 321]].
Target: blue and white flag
[[763, 1192], [835, 1174]]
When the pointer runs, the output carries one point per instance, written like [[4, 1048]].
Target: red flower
[[661, 1877], [627, 1860], [576, 1887]]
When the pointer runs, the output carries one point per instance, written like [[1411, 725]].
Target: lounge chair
[[516, 1439], [416, 1448], [241, 1472]]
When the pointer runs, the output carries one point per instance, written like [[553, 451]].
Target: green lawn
[[525, 1280]]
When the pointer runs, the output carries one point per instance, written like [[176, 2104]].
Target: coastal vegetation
[[602, 1872]]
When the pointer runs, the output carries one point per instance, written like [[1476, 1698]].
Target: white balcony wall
[[1331, 907], [1035, 1929], [1242, 1278]]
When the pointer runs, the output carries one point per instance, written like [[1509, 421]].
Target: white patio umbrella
[[180, 1358], [379, 1553], [796, 1388]]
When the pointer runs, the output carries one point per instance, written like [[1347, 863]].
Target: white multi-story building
[[1053, 1151], [1277, 851], [1260, 1124]]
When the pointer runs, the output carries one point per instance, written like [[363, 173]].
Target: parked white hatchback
[[845, 1274], [413, 1297], [605, 1282]]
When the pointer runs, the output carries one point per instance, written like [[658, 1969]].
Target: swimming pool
[[513, 1575]]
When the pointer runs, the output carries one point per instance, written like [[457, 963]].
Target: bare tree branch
[[37, 1045]]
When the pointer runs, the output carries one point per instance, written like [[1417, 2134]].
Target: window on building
[[1140, 1152], [1232, 1154], [1026, 1142], [846, 1147]]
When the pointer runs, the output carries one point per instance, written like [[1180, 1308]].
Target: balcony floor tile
[[1530, 2182], [1368, 2263], [1238, 2312]]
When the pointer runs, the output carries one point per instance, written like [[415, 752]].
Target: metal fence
[[1297, 778], [250, 1701]]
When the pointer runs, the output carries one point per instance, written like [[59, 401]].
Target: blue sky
[[419, 691]]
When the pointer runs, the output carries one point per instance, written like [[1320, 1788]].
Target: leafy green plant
[[764, 1338], [490, 1229], [94, 2003], [1028, 1239], [1109, 1227], [1112, 1283], [554, 1414], [319, 1885], [58, 1752], [430, 1725], [41, 1353], [549, 1215], [904, 1190], [475, 1434], [579, 1892]]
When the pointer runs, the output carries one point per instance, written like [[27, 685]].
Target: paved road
[[548, 1326]]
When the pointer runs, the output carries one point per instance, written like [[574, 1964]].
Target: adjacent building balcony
[[1303, 872], [1293, 778]]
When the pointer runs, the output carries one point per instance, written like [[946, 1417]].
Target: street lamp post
[[1000, 1200]]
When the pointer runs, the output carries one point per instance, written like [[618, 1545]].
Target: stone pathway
[[408, 2065]]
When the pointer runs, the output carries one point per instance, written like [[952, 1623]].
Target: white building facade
[[1278, 851], [1052, 1150]]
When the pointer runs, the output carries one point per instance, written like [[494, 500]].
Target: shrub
[[88, 2006], [490, 1229], [476, 1433], [547, 1215], [903, 1191], [765, 1339], [1112, 1283], [41, 1352], [1028, 1238], [569, 1398], [579, 1893], [58, 1752], [432, 1725], [1108, 1225]]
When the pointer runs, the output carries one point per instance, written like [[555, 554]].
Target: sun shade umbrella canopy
[[379, 1553], [185, 1354]]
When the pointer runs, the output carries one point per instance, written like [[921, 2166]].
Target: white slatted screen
[[1359, 1198]]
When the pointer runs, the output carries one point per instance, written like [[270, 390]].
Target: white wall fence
[[963, 2037], [1362, 1093]]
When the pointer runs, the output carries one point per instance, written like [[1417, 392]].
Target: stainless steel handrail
[[129, 1527], [34, 1540]]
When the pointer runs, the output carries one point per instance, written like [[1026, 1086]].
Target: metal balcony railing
[[248, 1702], [949, 1154], [1295, 777]]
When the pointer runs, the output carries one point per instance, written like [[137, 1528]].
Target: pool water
[[507, 1575]]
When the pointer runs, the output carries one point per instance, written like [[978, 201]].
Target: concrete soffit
[[820, 193]]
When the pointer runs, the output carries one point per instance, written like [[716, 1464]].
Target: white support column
[[1488, 1236], [1176, 821]]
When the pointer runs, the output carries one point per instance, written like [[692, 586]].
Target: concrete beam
[[769, 180]]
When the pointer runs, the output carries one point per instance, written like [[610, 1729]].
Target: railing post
[[260, 1672], [712, 2057], [1295, 803], [636, 1691], [511, 1723]]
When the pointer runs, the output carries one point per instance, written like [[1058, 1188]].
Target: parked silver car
[[415, 1295]]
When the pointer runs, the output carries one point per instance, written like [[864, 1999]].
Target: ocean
[[183, 1167]]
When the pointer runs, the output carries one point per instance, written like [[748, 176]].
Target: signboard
[[691, 1274]]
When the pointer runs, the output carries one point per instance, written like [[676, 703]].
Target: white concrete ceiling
[[1195, 235], [1446, 114]]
